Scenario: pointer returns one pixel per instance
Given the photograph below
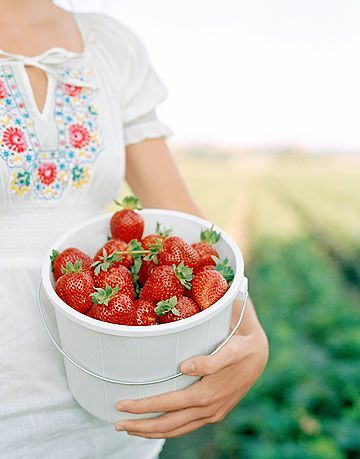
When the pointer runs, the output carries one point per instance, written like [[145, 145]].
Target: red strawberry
[[110, 247], [126, 224], [223, 268], [75, 287], [166, 281], [115, 276], [153, 241], [205, 248], [208, 287], [71, 255], [112, 306], [175, 250], [175, 309], [205, 268], [146, 269], [145, 313]]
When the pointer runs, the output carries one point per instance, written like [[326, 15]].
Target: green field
[[297, 219]]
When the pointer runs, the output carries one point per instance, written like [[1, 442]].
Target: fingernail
[[120, 407], [119, 428], [188, 367]]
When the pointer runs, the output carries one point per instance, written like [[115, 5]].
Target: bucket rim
[[142, 331]]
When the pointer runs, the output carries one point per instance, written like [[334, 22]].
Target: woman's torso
[[67, 162], [57, 168]]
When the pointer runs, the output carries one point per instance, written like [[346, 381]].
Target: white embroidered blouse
[[72, 153], [57, 168]]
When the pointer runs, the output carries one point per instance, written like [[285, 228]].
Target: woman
[[77, 95]]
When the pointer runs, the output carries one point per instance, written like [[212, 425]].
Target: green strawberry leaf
[[53, 256], [129, 202], [166, 306], [106, 261], [103, 296], [224, 269], [154, 249], [184, 274], [163, 232], [209, 236], [71, 268], [135, 268], [134, 246]]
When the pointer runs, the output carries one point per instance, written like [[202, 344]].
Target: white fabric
[[38, 416]]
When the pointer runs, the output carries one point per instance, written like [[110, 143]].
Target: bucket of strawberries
[[135, 293]]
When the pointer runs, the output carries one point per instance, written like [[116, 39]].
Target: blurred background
[[264, 103]]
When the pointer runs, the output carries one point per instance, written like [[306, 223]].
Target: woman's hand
[[227, 377]]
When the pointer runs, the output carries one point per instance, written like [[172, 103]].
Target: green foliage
[[306, 404]]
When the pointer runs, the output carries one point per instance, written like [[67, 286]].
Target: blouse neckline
[[86, 38]]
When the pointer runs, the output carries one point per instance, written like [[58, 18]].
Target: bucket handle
[[242, 295]]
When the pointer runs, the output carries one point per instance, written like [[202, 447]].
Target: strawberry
[[112, 306], [126, 224], [175, 250], [152, 239], [145, 313], [223, 268], [146, 269], [107, 272], [166, 281], [205, 248], [110, 247], [209, 285], [176, 308], [152, 242], [75, 287], [205, 268], [70, 255]]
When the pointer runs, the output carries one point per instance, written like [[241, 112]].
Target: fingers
[[171, 401], [164, 423], [231, 353], [174, 433]]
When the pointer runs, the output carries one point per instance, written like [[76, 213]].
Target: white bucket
[[106, 362]]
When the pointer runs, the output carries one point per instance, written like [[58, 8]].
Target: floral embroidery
[[49, 173], [51, 177], [14, 139], [72, 90], [79, 136], [3, 91], [80, 176], [20, 182]]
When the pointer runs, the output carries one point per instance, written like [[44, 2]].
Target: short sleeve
[[133, 81], [143, 91]]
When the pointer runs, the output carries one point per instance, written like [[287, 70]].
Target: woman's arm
[[152, 174], [229, 374]]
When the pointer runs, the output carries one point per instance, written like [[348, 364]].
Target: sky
[[252, 73]]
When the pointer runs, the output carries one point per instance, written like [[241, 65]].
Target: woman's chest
[[69, 148]]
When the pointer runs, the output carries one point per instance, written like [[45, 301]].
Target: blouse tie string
[[51, 62]]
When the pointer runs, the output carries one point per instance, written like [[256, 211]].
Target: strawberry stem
[[184, 274], [163, 307], [103, 296], [209, 236], [224, 269], [71, 268], [129, 202], [53, 256], [163, 232]]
